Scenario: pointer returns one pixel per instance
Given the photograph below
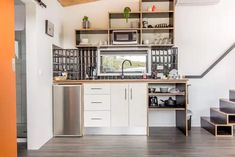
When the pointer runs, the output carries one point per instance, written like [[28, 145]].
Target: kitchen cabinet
[[119, 105], [97, 105], [128, 105], [138, 105]]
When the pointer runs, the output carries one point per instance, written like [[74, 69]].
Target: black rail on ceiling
[[212, 65], [41, 3]]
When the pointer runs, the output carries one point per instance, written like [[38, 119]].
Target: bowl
[[164, 90]]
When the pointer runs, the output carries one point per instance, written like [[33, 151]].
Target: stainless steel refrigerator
[[67, 110]]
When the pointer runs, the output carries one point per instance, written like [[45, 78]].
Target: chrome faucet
[[122, 76]]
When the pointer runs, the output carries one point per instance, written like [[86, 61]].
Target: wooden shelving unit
[[181, 98], [165, 13]]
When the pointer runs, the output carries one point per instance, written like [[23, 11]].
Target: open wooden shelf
[[157, 12], [166, 109], [165, 28], [167, 94], [165, 13], [124, 29]]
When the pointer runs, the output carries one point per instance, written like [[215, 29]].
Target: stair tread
[[215, 122], [227, 100], [222, 112]]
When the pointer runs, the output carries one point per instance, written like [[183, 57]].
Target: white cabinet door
[[138, 105], [119, 105]]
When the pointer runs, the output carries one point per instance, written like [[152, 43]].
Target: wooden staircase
[[222, 119]]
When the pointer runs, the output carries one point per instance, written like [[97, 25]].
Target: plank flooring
[[163, 142]]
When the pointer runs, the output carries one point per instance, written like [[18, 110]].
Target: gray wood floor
[[167, 142]]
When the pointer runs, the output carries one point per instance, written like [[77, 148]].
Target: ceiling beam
[[66, 3]]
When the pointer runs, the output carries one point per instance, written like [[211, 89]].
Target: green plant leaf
[[126, 13]]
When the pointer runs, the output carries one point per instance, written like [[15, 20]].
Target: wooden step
[[218, 115], [232, 95], [216, 128], [227, 106]]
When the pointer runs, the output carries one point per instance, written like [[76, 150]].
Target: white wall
[[203, 33], [39, 69]]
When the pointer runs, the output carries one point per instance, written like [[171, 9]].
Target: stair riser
[[208, 126], [232, 95], [218, 116], [217, 130], [228, 107]]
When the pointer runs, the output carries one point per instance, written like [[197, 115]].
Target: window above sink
[[110, 61]]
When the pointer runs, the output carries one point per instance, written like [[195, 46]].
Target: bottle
[[144, 75], [154, 8]]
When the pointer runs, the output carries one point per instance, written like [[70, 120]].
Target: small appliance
[[125, 37]]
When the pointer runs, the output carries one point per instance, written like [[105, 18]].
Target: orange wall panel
[[8, 146]]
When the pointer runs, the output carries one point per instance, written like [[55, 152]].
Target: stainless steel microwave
[[125, 37]]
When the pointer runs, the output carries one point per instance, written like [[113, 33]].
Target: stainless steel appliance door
[[67, 108]]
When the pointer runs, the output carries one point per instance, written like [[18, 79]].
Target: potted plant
[[126, 13], [85, 22]]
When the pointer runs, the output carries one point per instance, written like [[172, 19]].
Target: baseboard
[[115, 131]]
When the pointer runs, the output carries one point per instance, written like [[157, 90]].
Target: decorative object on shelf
[[173, 74], [84, 41], [49, 28], [170, 102], [152, 90], [153, 101], [164, 90], [174, 90], [145, 24], [149, 9], [126, 13], [154, 8], [162, 25], [85, 22], [60, 78], [150, 26], [146, 42]]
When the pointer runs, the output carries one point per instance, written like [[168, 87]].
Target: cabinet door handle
[[131, 93], [96, 118], [125, 93], [96, 88], [96, 102]]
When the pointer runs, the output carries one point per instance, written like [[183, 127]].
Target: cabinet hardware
[[96, 102], [125, 93], [96, 118], [131, 93], [96, 88]]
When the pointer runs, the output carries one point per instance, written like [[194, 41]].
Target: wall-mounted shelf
[[164, 14], [158, 12], [111, 29], [166, 109], [167, 94]]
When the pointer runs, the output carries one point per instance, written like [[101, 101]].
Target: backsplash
[[80, 63]]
